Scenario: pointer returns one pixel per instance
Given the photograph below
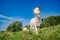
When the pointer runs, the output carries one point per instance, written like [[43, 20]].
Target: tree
[[57, 20], [15, 26], [50, 21]]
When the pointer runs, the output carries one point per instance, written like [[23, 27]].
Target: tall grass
[[50, 33]]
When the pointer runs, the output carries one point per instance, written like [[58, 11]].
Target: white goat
[[35, 22]]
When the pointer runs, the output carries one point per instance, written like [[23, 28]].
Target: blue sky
[[22, 10]]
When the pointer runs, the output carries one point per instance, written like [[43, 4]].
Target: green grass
[[50, 33]]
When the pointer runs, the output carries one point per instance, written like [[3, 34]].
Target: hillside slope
[[50, 33]]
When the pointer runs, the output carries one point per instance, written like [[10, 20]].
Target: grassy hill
[[50, 33]]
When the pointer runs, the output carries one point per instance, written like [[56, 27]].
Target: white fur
[[35, 21]]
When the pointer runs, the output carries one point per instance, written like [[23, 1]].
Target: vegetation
[[50, 21], [15, 26], [49, 33]]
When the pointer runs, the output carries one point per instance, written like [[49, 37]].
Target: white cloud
[[4, 24], [6, 21], [10, 18]]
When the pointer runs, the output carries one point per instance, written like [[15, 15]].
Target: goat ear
[[39, 7]]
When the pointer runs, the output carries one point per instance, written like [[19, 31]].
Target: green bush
[[15, 26]]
